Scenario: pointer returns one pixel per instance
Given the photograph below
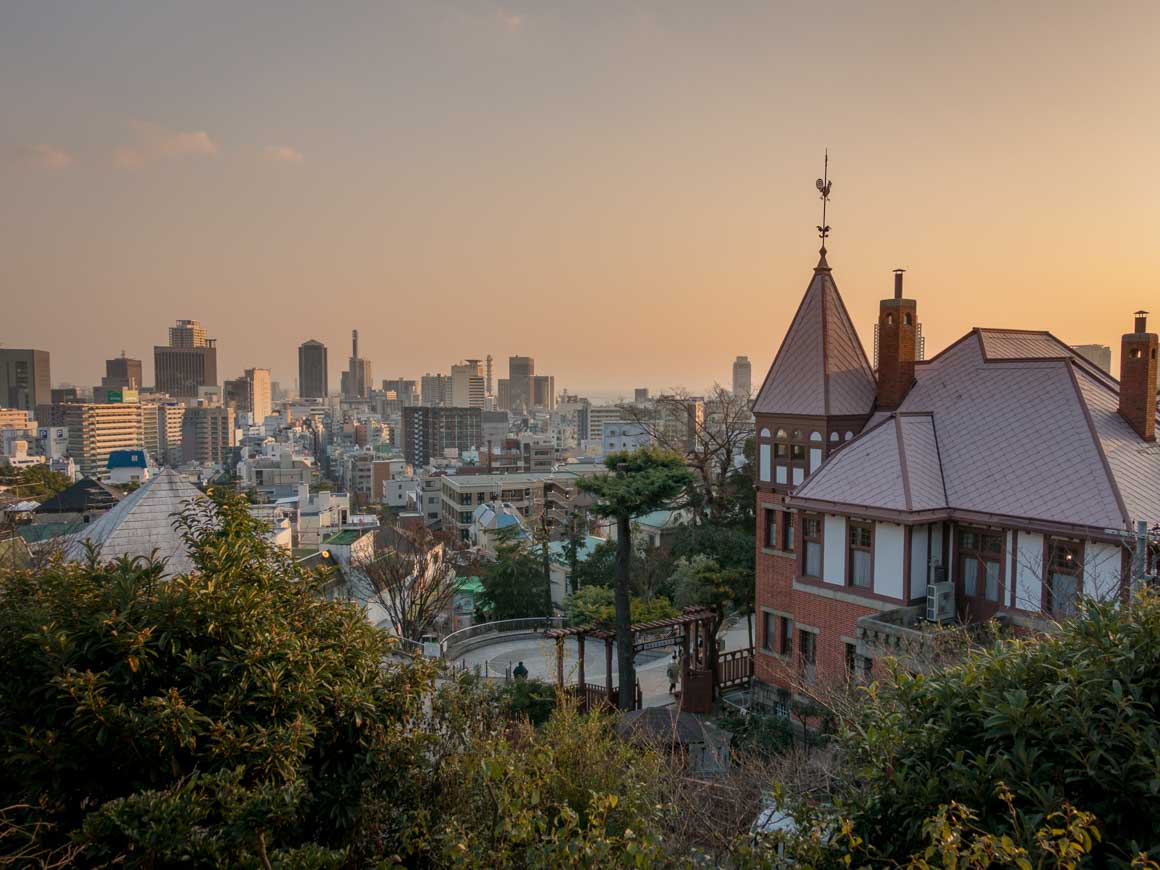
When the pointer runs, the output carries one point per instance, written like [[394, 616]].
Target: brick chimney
[[1138, 378], [897, 339]]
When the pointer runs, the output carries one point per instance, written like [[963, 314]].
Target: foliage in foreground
[[594, 605], [231, 717], [1023, 736]]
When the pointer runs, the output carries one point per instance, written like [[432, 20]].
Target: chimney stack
[[1138, 378], [897, 346]]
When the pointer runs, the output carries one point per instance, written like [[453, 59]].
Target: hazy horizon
[[623, 192]]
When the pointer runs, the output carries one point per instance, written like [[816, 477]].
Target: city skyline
[[321, 165]]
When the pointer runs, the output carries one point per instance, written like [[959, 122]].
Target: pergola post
[[560, 662], [580, 653]]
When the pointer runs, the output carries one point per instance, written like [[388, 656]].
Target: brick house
[[1008, 465]]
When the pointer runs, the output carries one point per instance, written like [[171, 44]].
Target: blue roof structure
[[127, 459]]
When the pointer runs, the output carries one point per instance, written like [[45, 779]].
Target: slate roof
[[143, 522], [1007, 423], [821, 368], [86, 494]]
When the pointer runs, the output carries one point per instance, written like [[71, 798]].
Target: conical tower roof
[[143, 522], [821, 369]]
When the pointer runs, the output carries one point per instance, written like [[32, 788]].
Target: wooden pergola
[[691, 632]]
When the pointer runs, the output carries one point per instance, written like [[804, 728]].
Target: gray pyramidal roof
[[820, 369], [1004, 423], [143, 522]]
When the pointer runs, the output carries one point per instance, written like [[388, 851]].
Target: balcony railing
[[918, 646]]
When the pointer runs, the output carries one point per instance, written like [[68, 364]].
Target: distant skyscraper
[[357, 379], [742, 377], [544, 392], [122, 373], [468, 385], [521, 369], [1099, 354], [435, 389], [187, 363], [207, 434], [25, 380], [313, 372], [640, 395], [250, 393], [96, 430], [489, 382]]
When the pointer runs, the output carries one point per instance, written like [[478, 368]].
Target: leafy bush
[[223, 717], [1019, 733], [595, 605]]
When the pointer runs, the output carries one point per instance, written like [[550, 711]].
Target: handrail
[[501, 626]]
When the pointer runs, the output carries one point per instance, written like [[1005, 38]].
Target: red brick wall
[[833, 619], [1138, 382]]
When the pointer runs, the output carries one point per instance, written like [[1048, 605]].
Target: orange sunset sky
[[624, 191]]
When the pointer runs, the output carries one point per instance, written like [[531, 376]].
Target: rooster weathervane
[[824, 184]]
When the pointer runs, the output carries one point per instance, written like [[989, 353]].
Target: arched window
[[781, 435], [815, 436], [833, 436], [764, 433], [1135, 353], [797, 435], [849, 435], [908, 319], [889, 318]]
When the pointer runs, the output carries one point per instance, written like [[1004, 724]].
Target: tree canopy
[[229, 717], [514, 585]]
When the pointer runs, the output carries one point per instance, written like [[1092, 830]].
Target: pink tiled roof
[[1005, 423], [820, 369]]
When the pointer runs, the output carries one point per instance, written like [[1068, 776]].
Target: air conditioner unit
[[940, 602]]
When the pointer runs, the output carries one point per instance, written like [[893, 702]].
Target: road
[[539, 657]]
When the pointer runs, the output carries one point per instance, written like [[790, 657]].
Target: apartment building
[[94, 431]]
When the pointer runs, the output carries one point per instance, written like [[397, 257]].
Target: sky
[[624, 191]]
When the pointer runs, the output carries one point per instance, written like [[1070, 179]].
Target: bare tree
[[414, 589], [710, 432]]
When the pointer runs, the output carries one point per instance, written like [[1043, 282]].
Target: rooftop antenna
[[824, 184]]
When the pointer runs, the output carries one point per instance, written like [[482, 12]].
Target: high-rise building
[[122, 373], [313, 373], [742, 377], [188, 363], [640, 395], [544, 392], [25, 380], [503, 396], [357, 379], [429, 432], [1099, 354], [521, 369], [489, 382], [468, 384], [207, 434], [436, 390], [96, 430], [405, 390], [250, 394]]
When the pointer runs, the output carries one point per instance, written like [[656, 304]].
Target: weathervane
[[824, 184]]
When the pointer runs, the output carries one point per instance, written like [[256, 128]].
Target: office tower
[[435, 389], [207, 434], [640, 395], [544, 392], [503, 396], [96, 430], [122, 373], [313, 373], [188, 363], [357, 379], [250, 394], [742, 377], [170, 422], [25, 380], [468, 385], [405, 389], [489, 363], [429, 432], [1098, 354], [64, 395], [520, 372]]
